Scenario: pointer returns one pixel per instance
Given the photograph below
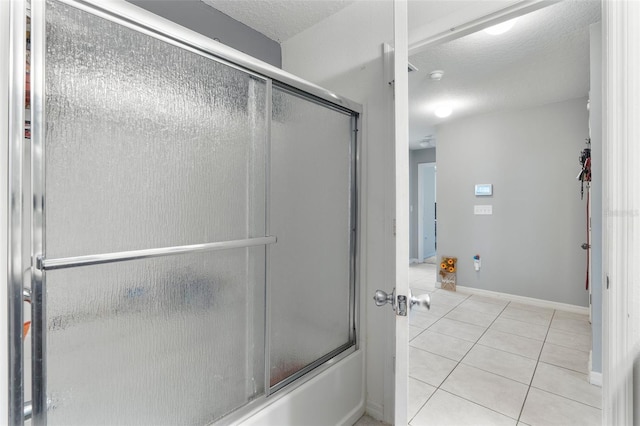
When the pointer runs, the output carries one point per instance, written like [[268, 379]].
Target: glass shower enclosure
[[193, 223]]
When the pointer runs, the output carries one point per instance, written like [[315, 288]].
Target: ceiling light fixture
[[501, 28], [443, 111], [436, 75]]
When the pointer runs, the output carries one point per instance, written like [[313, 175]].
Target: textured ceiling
[[279, 19], [543, 59]]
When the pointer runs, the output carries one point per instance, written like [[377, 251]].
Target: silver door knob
[[423, 300], [382, 297]]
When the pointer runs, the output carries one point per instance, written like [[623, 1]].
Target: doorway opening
[[427, 213]]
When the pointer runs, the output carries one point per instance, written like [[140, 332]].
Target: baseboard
[[595, 378], [375, 410], [523, 299]]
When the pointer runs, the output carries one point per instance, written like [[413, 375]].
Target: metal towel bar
[[97, 259]]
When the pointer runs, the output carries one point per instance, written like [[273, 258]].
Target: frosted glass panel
[[170, 341], [310, 193], [147, 144]]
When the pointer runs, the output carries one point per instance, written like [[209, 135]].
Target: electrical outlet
[[483, 209]]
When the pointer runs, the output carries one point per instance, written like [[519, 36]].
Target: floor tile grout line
[[424, 329], [451, 319], [497, 374], [570, 331], [502, 350], [449, 335], [479, 405], [566, 368], [566, 347], [527, 322], [423, 404], [477, 342], [442, 356], [421, 381], [519, 335], [447, 376], [441, 317], [454, 368], [566, 397], [524, 402]]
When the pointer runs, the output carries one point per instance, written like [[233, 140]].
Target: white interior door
[[400, 298], [401, 115]]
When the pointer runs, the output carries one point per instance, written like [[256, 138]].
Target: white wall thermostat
[[484, 189]]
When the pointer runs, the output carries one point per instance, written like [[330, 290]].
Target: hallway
[[479, 360]]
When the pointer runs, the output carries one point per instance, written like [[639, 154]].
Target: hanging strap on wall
[[588, 241]]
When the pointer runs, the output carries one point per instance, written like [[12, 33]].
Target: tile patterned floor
[[486, 361]]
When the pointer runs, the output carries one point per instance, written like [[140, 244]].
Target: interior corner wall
[[595, 123], [416, 157], [530, 245], [343, 53], [202, 18]]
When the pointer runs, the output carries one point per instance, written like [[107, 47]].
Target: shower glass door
[[193, 225], [311, 265], [154, 164]]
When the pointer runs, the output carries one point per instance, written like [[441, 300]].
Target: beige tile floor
[[486, 361]]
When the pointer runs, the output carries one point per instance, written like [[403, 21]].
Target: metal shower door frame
[[144, 22], [16, 262]]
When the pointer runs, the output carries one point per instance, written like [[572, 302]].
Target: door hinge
[[394, 227]]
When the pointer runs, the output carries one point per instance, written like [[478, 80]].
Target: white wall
[[530, 246], [344, 54], [202, 18]]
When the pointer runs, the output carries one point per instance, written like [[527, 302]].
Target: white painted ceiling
[[279, 19], [543, 59]]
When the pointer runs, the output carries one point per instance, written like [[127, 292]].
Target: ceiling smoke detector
[[436, 75], [426, 142]]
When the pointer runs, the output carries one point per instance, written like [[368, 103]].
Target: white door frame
[[621, 209], [401, 121]]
